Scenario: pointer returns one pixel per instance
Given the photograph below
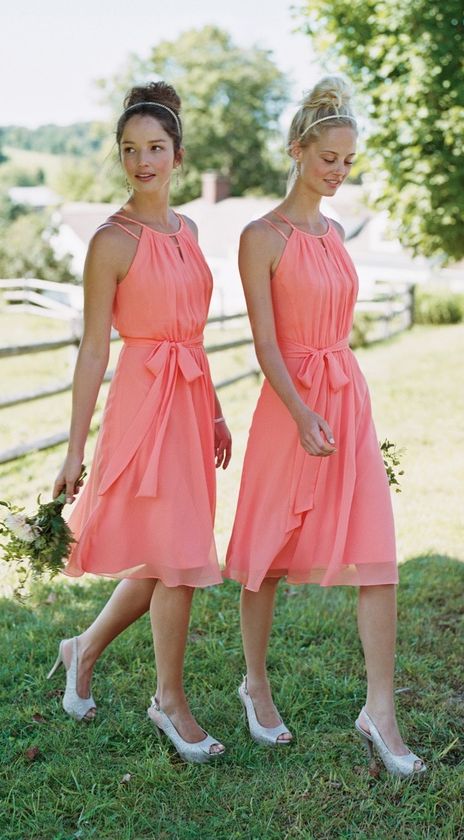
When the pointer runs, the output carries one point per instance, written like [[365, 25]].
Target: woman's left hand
[[222, 444]]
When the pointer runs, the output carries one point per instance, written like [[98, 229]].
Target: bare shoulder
[[338, 227], [258, 233], [111, 249], [107, 238], [191, 224]]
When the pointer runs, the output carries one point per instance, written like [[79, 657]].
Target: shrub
[[438, 307]]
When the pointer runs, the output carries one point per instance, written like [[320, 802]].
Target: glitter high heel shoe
[[397, 765], [197, 753], [75, 706], [268, 735]]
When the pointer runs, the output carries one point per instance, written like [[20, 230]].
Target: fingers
[[319, 440], [70, 491], [228, 455], [223, 449], [58, 487], [327, 431]]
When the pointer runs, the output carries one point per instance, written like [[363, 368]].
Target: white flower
[[16, 523]]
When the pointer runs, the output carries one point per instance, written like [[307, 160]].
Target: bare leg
[[129, 601], [257, 610], [377, 631], [170, 616]]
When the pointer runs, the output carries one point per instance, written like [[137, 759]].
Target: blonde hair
[[326, 105]]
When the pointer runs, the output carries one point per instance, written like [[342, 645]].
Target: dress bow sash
[[313, 358], [318, 365], [165, 361]]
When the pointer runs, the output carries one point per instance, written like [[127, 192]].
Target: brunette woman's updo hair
[[149, 100], [331, 97]]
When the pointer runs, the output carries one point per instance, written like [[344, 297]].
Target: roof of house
[[38, 196], [220, 224], [83, 217]]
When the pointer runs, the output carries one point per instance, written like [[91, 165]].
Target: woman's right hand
[[316, 436], [69, 478]]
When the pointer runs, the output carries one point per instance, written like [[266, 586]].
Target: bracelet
[[219, 420]]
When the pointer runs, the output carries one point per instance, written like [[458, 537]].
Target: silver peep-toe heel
[[397, 765], [197, 753], [268, 735], [75, 706]]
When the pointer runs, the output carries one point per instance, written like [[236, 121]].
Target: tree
[[232, 99], [407, 60], [25, 249]]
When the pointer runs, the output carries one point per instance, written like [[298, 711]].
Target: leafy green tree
[[78, 139], [25, 250], [96, 178], [407, 60], [232, 99], [3, 157]]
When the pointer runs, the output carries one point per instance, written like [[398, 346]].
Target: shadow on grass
[[318, 788]]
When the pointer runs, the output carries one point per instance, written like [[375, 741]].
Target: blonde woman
[[314, 503]]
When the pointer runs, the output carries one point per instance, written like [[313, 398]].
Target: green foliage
[[17, 176], [39, 543], [3, 156], [407, 60], [232, 99], [362, 327], [391, 459], [80, 139], [97, 178], [9, 211], [25, 249], [438, 307]]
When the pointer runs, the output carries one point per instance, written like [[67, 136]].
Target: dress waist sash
[[165, 362]]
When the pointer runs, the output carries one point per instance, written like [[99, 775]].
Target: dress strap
[[109, 223], [293, 227], [284, 218], [141, 224], [272, 225]]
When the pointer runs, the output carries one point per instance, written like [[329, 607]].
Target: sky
[[52, 52]]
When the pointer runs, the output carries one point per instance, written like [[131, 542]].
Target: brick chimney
[[215, 186]]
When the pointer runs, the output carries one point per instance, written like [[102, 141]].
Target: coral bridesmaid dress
[[147, 509], [314, 520]]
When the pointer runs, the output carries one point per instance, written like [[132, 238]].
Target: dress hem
[[315, 577]]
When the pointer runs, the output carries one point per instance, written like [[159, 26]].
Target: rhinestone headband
[[331, 117], [158, 105]]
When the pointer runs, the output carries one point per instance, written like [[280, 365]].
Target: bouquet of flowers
[[43, 541], [391, 460]]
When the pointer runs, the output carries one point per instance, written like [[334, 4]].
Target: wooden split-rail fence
[[387, 311]]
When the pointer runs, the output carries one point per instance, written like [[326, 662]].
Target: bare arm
[[259, 253], [100, 282]]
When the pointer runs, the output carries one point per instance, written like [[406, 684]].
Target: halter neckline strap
[[153, 230], [304, 232]]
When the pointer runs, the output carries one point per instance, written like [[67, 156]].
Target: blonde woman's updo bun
[[327, 105]]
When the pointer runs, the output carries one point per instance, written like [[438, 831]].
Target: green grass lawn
[[319, 788]]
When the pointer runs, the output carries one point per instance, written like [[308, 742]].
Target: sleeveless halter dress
[[147, 508], [314, 520]]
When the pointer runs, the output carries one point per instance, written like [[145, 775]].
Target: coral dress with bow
[[314, 520], [147, 509]]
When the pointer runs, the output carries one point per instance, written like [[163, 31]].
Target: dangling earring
[[297, 168], [128, 187]]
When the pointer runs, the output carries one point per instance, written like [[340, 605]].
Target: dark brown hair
[[146, 99]]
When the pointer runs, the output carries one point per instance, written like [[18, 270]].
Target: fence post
[[412, 305]]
